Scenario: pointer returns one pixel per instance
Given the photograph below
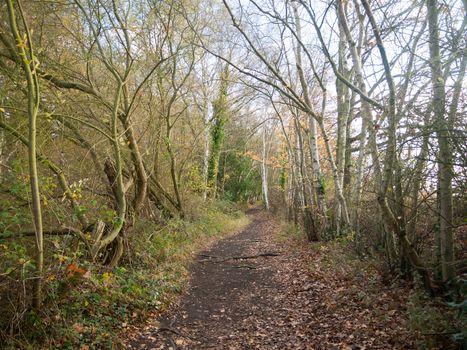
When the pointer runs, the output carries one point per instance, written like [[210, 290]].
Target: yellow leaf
[[106, 276]]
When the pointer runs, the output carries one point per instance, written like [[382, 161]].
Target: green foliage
[[195, 180], [437, 322], [15, 260], [322, 184], [283, 178], [220, 117], [227, 207], [242, 178], [11, 219], [461, 307], [12, 215]]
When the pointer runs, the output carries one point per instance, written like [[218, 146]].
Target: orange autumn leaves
[[73, 271]]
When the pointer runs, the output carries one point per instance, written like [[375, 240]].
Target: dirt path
[[247, 292]]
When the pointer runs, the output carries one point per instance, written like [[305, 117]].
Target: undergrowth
[[432, 323], [89, 306]]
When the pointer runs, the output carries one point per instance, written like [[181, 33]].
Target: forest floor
[[256, 290]]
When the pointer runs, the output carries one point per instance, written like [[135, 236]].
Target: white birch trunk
[[357, 188], [367, 118], [314, 151], [316, 166], [264, 169], [338, 188], [343, 111]]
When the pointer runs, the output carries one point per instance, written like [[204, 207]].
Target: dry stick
[[239, 257], [252, 256], [174, 345], [209, 256]]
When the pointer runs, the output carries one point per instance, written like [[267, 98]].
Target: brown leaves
[[73, 270]]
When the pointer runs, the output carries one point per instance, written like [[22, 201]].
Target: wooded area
[[129, 128]]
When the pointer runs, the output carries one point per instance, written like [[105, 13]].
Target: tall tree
[[444, 158], [219, 118]]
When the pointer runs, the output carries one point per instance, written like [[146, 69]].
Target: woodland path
[[248, 292]]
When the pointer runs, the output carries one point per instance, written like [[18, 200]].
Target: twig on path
[[441, 333], [209, 256], [174, 345], [174, 331], [252, 256], [168, 329], [242, 257]]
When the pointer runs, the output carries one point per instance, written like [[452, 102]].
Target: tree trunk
[[29, 62], [217, 132], [306, 210], [343, 111], [138, 163], [444, 158], [207, 132], [313, 134], [264, 169], [119, 189], [395, 224]]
